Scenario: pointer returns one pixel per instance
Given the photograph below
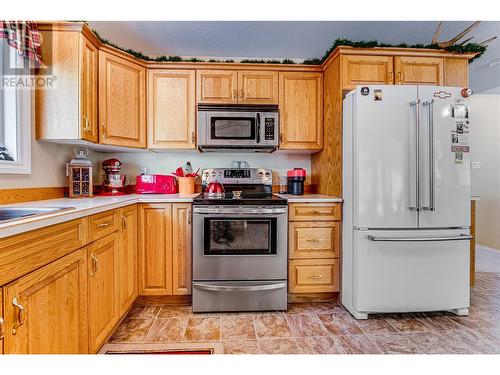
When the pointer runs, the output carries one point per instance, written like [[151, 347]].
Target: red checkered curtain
[[24, 37]]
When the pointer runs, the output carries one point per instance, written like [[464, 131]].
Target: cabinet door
[[456, 72], [301, 111], [88, 92], [181, 245], [171, 109], [46, 310], [103, 280], [155, 249], [366, 70], [255, 87], [313, 240], [127, 259], [122, 102], [411, 70], [217, 86]]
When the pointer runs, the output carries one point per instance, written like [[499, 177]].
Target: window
[[15, 112]]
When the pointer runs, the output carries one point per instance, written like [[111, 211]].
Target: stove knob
[[268, 174], [261, 174], [206, 174], [213, 174]]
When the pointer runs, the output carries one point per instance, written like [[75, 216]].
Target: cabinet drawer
[[314, 211], [103, 224], [313, 276], [26, 252], [313, 240]]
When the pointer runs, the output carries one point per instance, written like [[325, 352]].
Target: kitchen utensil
[[215, 190]]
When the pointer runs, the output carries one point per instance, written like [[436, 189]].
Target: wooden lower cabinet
[[103, 260], [313, 276], [313, 240], [165, 249], [46, 310], [127, 258]]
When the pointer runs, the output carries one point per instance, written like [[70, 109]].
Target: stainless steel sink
[[16, 213]]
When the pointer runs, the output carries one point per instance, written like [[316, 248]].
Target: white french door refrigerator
[[406, 186]]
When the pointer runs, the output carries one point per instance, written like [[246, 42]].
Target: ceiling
[[290, 39]]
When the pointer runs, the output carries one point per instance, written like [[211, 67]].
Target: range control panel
[[258, 176]]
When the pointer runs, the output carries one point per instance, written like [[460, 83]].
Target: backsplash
[[167, 162]]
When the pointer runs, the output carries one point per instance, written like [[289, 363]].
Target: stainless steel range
[[239, 243]]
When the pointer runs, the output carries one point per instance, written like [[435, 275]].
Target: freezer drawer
[[410, 270], [239, 295]]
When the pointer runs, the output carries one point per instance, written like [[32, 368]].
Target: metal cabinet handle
[[315, 277], [124, 223], [2, 328], [242, 94], [86, 127], [193, 138], [21, 316], [430, 104], [400, 78], [104, 130], [314, 240], [390, 77], [416, 206], [95, 262], [461, 237], [189, 217], [235, 94], [104, 225]]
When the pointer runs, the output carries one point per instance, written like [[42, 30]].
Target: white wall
[[166, 163], [485, 148]]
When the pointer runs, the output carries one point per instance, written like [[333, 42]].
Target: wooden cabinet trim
[[89, 69], [181, 248], [127, 258]]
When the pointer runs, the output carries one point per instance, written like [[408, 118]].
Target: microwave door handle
[[258, 128]]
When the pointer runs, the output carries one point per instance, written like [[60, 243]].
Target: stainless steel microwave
[[238, 128]]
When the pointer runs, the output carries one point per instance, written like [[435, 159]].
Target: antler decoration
[[452, 41]]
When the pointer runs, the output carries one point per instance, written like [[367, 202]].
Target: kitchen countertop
[[90, 206], [310, 198]]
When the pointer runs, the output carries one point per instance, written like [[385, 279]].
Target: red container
[[296, 172], [155, 184], [295, 181]]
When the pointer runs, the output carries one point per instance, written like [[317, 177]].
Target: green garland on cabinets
[[460, 49]]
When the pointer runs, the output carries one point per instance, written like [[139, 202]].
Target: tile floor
[[327, 328]]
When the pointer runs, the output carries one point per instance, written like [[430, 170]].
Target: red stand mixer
[[112, 181]]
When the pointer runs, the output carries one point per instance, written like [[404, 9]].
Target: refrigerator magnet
[[459, 157]]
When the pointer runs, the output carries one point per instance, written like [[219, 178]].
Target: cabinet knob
[[86, 127]]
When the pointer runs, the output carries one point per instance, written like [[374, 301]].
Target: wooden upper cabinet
[[2, 322], [171, 109], [456, 72], [67, 109], [181, 248], [155, 249], [122, 101], [103, 283], [258, 87], [301, 111], [88, 97], [127, 258], [46, 310], [217, 86], [366, 70], [414, 70]]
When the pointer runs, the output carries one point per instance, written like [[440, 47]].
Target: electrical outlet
[[475, 165]]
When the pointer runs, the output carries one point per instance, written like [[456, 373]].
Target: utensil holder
[[186, 185]]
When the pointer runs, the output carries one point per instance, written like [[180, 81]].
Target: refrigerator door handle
[[461, 237], [415, 204], [430, 105]]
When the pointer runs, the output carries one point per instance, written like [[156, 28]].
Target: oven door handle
[[225, 288], [239, 212]]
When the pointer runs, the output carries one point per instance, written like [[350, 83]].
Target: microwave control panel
[[269, 128]]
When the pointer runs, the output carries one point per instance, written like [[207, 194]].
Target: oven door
[[239, 243]]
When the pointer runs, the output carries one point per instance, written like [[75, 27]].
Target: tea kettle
[[215, 190]]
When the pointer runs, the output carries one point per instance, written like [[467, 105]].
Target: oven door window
[[239, 236], [235, 128]]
